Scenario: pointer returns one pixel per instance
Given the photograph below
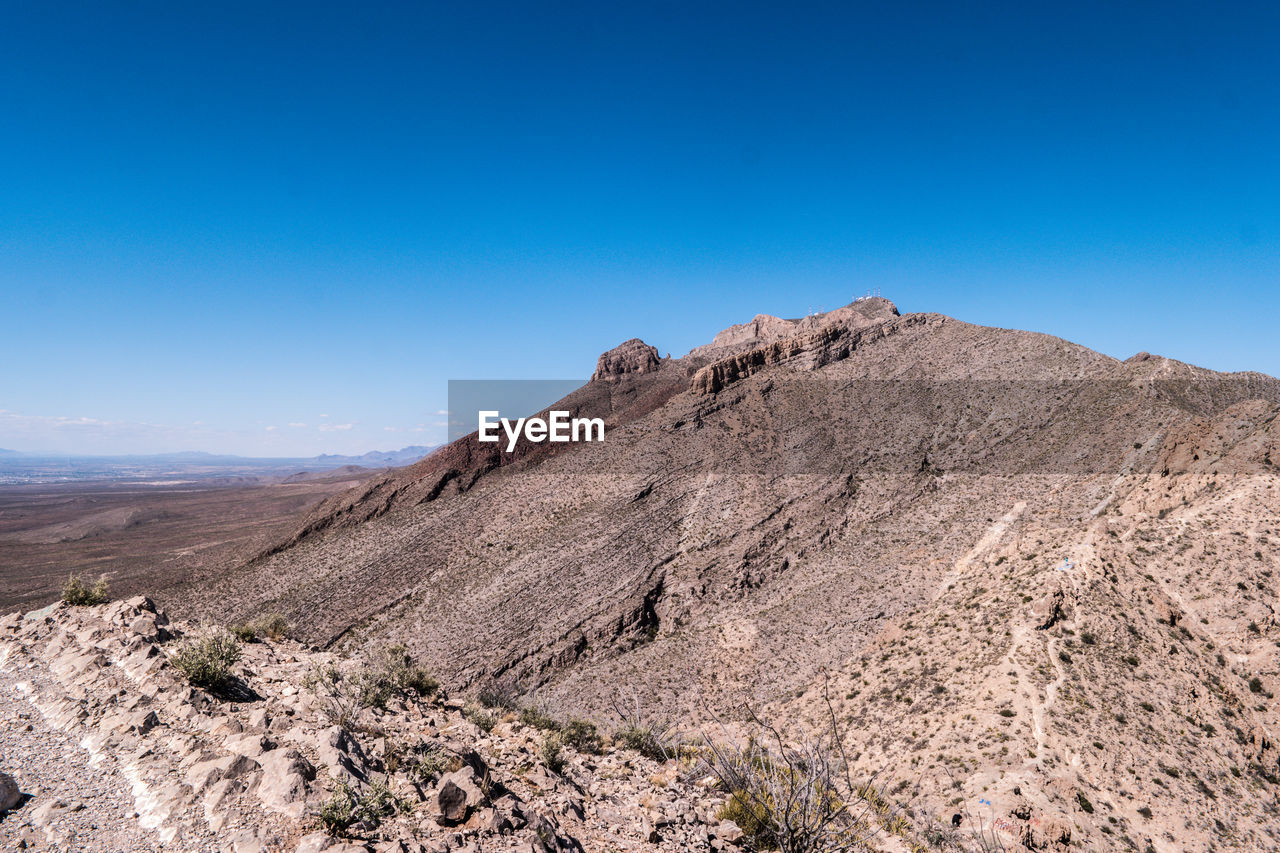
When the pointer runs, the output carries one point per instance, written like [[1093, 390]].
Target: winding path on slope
[[989, 539]]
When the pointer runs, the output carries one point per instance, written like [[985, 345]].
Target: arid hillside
[[1037, 583]]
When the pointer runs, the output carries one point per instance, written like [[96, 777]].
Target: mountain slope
[[883, 501]]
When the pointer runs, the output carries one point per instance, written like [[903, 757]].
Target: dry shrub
[[80, 594], [206, 660]]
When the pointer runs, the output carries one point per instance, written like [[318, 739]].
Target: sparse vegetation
[[206, 660], [536, 719], [500, 694], [553, 752], [478, 715], [348, 806], [77, 593], [273, 626], [582, 736], [798, 797], [343, 695], [654, 737]]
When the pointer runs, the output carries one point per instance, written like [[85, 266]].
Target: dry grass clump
[[798, 796]]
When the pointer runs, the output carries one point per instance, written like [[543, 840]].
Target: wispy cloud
[[332, 427], [296, 424]]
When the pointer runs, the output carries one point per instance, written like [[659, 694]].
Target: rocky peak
[[764, 329], [633, 356]]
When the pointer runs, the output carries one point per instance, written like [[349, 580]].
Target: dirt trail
[[989, 539], [86, 809]]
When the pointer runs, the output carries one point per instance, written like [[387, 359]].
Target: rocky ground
[[110, 749]]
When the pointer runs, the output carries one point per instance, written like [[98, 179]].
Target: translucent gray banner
[[513, 398]]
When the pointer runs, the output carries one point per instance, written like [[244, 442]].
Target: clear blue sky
[[221, 218]]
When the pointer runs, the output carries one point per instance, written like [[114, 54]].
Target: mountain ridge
[[767, 519]]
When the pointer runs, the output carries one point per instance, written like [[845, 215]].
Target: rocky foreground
[[107, 747]]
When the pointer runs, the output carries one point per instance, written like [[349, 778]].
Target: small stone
[[729, 831]]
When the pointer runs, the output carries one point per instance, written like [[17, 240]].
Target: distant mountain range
[[376, 458]]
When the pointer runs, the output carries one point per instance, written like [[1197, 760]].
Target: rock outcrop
[[107, 748], [765, 329], [633, 356]]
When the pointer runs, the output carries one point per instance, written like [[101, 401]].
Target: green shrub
[[652, 735], [339, 811], [645, 741], [1085, 805], [582, 736], [80, 594], [553, 752], [1255, 685], [1008, 712], [206, 660]]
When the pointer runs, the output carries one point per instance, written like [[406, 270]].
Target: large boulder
[[342, 755], [283, 787], [10, 795]]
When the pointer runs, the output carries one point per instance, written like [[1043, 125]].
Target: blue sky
[[218, 220]]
